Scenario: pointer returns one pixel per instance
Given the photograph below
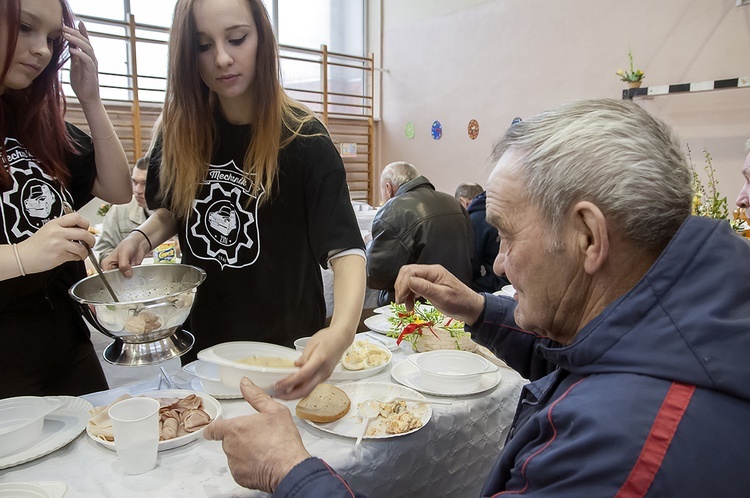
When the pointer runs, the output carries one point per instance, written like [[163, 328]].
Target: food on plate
[[93, 230], [427, 329], [442, 338], [267, 361], [326, 403], [177, 417], [395, 417], [362, 355]]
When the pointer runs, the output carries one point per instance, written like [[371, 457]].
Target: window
[[338, 24]]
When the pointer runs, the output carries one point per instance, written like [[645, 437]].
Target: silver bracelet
[[104, 138], [18, 260]]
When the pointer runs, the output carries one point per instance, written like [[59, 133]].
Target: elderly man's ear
[[592, 236]]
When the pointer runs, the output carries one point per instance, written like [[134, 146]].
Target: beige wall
[[492, 60]]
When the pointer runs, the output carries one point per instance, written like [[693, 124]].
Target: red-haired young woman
[[44, 163]]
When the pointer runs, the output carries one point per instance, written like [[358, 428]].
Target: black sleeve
[[82, 166], [332, 224]]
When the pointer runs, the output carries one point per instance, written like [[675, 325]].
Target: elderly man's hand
[[261, 448], [441, 288]]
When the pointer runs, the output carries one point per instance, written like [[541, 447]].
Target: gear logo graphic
[[224, 225]]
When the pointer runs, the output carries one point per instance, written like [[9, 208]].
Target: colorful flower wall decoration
[[437, 130], [473, 129], [409, 130]]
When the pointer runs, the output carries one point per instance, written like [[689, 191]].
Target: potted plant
[[707, 201], [634, 77]]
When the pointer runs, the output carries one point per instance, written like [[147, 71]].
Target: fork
[[382, 398]]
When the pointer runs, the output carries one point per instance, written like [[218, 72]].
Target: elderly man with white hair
[[631, 320], [417, 224]]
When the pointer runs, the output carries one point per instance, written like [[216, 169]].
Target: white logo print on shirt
[[224, 225], [34, 198]]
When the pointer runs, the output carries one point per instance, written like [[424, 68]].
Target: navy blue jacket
[[486, 247], [652, 398]]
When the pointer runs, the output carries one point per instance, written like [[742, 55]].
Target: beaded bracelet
[[18, 260], [150, 246]]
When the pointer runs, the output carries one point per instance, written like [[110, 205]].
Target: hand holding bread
[[261, 448]]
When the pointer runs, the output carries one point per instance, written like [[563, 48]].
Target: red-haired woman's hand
[[84, 68], [55, 243]]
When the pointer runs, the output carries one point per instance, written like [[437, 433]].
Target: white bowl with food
[[22, 421], [99, 425], [261, 362], [452, 371]]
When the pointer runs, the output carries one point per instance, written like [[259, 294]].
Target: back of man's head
[[468, 191], [398, 173], [611, 153], [142, 163]]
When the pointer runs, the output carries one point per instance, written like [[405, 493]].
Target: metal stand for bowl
[[147, 353]]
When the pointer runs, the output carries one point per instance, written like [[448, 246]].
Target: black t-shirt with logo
[[42, 328], [263, 263]]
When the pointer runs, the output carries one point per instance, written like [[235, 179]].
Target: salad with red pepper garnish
[[410, 325]]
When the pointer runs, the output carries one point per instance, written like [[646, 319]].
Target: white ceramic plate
[[60, 427], [207, 380], [341, 373], [388, 343], [212, 407], [378, 323], [47, 489], [406, 373], [351, 424]]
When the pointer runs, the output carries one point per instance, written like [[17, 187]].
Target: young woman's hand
[[56, 243], [321, 355], [128, 253], [84, 68]]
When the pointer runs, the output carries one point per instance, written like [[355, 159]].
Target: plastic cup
[[135, 423]]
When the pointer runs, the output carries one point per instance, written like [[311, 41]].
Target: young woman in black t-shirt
[[46, 163], [251, 183]]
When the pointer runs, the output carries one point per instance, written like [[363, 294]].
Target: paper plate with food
[[335, 409], [182, 417]]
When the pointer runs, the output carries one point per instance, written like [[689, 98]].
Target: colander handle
[[150, 307]]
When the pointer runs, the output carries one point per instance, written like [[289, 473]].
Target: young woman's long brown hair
[[37, 112], [187, 121]]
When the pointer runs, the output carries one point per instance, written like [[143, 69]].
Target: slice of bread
[[326, 403]]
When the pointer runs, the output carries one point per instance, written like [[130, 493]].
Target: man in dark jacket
[[638, 318], [417, 224], [486, 240]]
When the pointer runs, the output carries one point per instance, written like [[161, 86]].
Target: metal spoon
[[67, 208]]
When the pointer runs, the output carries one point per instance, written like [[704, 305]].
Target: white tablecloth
[[450, 456]]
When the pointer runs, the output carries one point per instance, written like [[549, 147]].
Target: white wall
[[492, 60]]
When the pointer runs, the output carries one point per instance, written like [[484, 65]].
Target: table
[[450, 456]]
